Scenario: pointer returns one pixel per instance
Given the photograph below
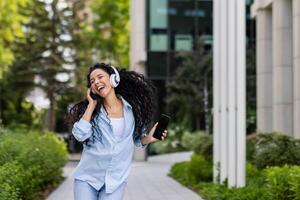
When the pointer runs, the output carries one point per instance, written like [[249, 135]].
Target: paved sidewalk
[[147, 181]]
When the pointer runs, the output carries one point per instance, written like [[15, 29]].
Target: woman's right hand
[[87, 116], [91, 101]]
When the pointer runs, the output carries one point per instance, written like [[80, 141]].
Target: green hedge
[[202, 144], [29, 162], [273, 171], [274, 183], [199, 142], [276, 149], [198, 169], [180, 172], [210, 191], [283, 183], [171, 144]]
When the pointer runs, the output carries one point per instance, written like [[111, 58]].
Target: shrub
[[200, 169], [250, 147], [180, 171], [191, 140], [171, 144], [202, 143], [254, 176], [246, 193], [277, 183], [274, 183], [190, 173], [294, 181], [11, 181], [283, 182], [211, 191], [46, 157], [43, 157], [275, 149], [199, 142]]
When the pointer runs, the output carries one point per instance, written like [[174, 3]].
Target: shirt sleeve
[[82, 130], [137, 139]]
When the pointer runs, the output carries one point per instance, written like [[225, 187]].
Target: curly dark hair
[[139, 92]]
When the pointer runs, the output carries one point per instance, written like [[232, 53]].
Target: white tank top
[[118, 125]]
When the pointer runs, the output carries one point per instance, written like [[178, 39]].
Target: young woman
[[116, 115]]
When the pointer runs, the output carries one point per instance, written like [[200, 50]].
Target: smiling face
[[100, 83]]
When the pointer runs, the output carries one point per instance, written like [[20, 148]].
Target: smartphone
[[161, 126], [93, 95]]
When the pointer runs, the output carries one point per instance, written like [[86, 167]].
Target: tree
[[189, 92], [45, 55], [17, 80], [251, 88], [111, 30], [11, 21], [51, 22], [82, 43], [59, 45]]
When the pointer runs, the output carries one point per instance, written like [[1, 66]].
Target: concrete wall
[[296, 63], [278, 70], [138, 50]]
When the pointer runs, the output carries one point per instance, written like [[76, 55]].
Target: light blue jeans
[[84, 191]]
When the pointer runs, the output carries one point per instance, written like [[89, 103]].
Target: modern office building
[[162, 28], [278, 65]]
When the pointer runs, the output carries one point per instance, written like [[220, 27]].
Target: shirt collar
[[125, 103]]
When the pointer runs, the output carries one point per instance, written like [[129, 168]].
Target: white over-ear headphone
[[114, 78]]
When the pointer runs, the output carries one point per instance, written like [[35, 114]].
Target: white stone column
[[138, 35], [222, 68], [240, 105], [232, 92], [229, 91], [283, 69], [216, 92], [296, 53], [264, 69], [138, 50]]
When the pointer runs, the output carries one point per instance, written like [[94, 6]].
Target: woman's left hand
[[147, 139]]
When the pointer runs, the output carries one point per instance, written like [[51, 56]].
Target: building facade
[[162, 28], [278, 65]]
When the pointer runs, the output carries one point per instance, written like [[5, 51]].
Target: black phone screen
[[161, 126], [93, 95]]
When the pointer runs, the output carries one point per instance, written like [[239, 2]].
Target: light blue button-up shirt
[[107, 160]]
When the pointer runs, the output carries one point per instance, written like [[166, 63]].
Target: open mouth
[[100, 88]]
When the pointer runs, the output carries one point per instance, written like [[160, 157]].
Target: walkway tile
[[147, 181]]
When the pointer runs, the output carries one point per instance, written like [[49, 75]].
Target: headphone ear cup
[[112, 79]]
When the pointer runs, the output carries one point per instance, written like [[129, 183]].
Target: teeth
[[101, 87]]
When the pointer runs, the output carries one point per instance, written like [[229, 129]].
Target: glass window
[[205, 22], [157, 64], [158, 40], [182, 24], [183, 42], [161, 91], [158, 14]]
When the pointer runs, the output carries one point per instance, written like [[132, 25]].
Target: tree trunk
[[198, 121], [52, 117]]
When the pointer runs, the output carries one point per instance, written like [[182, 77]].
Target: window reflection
[[177, 25], [158, 25]]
